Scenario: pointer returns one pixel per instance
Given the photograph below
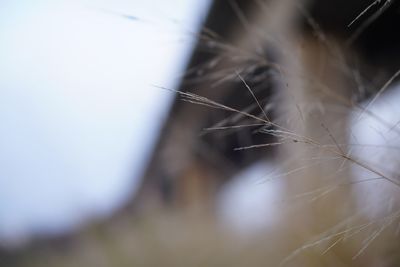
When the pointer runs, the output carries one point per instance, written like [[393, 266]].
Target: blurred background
[[102, 163]]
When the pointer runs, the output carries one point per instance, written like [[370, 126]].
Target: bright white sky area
[[247, 204], [377, 144], [78, 109]]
